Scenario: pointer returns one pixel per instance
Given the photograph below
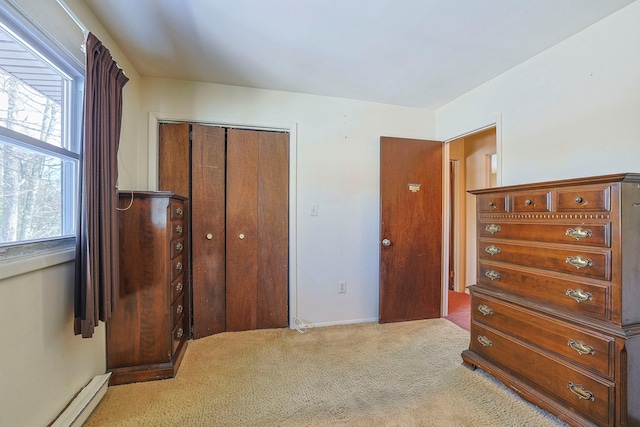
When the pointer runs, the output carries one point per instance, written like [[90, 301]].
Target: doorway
[[472, 165]]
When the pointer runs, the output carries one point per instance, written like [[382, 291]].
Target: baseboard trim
[[78, 411], [341, 322]]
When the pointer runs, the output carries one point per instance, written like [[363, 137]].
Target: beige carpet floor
[[400, 374]]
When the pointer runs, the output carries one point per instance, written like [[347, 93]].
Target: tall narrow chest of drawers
[[146, 335], [556, 307]]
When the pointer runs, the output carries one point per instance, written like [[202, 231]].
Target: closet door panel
[[174, 174], [238, 183], [242, 229], [208, 154], [173, 158], [273, 230]]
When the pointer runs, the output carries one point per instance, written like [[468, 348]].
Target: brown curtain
[[96, 284]]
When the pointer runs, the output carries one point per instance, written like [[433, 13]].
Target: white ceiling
[[419, 53]]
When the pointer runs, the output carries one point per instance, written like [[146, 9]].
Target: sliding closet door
[[208, 162], [257, 230]]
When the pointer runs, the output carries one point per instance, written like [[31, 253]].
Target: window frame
[[20, 257]]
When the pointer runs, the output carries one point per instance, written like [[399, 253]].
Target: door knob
[[209, 236], [241, 236], [386, 242]]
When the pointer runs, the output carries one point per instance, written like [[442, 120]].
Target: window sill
[[26, 258]]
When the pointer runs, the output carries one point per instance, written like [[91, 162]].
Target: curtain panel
[[97, 281]]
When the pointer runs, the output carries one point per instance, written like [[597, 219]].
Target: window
[[40, 112]]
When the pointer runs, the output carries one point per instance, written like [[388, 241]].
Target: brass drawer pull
[[579, 295], [581, 347], [578, 233], [578, 199], [179, 211], [580, 391], [492, 274], [179, 309], [179, 266], [179, 287], [179, 247], [484, 309], [492, 228], [179, 229], [180, 333], [579, 262], [491, 204], [527, 202], [486, 342], [492, 250]]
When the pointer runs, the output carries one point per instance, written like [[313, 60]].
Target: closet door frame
[[291, 128]]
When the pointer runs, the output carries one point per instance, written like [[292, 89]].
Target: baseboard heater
[[79, 409]]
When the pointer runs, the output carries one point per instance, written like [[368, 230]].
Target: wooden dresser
[[556, 307], [147, 333]]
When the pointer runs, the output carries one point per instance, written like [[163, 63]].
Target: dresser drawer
[[583, 199], [577, 297], [178, 334], [588, 349], [177, 209], [177, 310], [535, 201], [577, 261], [177, 266], [177, 287], [493, 203], [177, 229], [177, 247], [572, 233], [592, 396]]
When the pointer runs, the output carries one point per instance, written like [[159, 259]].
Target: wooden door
[[238, 183], [208, 177], [174, 166], [257, 230], [173, 158], [411, 229]]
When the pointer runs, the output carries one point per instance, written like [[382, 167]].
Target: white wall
[[571, 111], [43, 364], [337, 169]]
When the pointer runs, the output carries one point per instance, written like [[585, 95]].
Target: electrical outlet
[[342, 287]]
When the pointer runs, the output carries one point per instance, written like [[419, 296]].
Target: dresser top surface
[[601, 179], [139, 193]]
